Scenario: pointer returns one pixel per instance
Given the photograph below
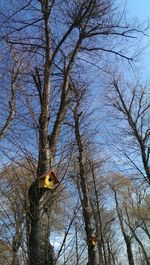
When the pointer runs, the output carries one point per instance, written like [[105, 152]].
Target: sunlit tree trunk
[[40, 209], [85, 201]]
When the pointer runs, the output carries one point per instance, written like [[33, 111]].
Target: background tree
[[132, 107], [126, 202], [10, 75]]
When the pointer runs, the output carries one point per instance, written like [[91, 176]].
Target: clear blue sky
[[141, 10]]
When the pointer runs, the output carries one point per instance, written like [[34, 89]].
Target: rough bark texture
[[40, 201], [39, 252]]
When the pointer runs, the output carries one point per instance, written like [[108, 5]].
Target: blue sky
[[139, 8]]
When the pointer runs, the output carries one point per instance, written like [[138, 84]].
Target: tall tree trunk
[[39, 250], [98, 223], [147, 261], [126, 237], [85, 201], [141, 245], [40, 201]]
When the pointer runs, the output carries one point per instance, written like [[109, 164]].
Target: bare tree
[[51, 55], [14, 215], [127, 237], [125, 200], [83, 187], [132, 105]]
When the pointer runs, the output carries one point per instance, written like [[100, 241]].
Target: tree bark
[[141, 245], [12, 104], [39, 252], [98, 224], [40, 201], [126, 237], [85, 201]]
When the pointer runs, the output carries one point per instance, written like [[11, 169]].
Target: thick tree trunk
[[39, 251], [40, 201]]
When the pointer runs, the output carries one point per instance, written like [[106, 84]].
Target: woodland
[[74, 134]]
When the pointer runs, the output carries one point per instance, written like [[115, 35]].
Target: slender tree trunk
[[77, 248], [141, 245], [12, 105], [86, 207], [109, 254], [99, 225], [126, 237], [15, 248], [137, 238]]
